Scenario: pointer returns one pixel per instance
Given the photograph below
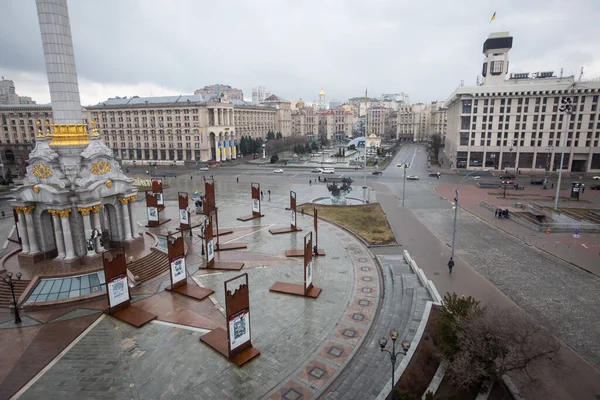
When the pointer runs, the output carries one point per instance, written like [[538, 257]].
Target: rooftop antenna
[[477, 82], [580, 74], [462, 83], [561, 73]]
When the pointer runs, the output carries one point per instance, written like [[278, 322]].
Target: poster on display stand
[[118, 291], [178, 272], [152, 214], [184, 217], [239, 329]]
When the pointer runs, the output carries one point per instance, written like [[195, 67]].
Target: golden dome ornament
[[36, 189], [108, 184]]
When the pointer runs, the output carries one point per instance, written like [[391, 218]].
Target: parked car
[[204, 168], [435, 174], [596, 178], [538, 181], [507, 177], [377, 172], [278, 171], [317, 170], [412, 178], [595, 187]]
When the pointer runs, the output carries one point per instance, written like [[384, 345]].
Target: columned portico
[[33, 244], [23, 231], [126, 218], [66, 227], [58, 234]]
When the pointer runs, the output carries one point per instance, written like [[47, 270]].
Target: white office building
[[518, 123]]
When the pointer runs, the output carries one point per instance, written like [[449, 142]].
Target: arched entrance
[[110, 222]]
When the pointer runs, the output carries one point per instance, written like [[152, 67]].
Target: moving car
[[508, 182], [538, 181], [278, 171], [412, 178], [435, 174], [595, 187], [377, 172], [205, 168], [329, 171], [507, 177], [596, 178], [318, 170]]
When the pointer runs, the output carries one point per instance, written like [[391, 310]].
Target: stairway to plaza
[[404, 301], [147, 268], [6, 299]]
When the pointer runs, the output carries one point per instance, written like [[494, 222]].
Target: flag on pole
[[366, 98], [196, 193], [493, 17]]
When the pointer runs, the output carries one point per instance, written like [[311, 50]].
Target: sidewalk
[[583, 252], [574, 379]]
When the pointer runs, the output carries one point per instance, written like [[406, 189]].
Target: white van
[[329, 171]]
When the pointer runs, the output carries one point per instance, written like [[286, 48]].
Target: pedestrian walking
[[450, 264], [269, 193], [262, 195], [309, 182], [237, 179], [315, 250], [191, 177]]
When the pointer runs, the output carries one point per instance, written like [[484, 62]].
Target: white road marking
[[584, 245], [248, 234], [56, 359]]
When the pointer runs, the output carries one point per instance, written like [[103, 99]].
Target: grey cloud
[[422, 48]]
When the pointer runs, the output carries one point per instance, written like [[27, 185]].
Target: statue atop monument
[[339, 191]]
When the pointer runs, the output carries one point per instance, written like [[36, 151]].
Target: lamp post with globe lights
[[566, 106], [393, 355], [11, 284]]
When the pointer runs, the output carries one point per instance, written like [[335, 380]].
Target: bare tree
[[493, 343]]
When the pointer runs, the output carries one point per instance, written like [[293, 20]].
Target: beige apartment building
[[184, 128], [331, 124], [18, 129], [381, 121], [518, 122], [417, 122]]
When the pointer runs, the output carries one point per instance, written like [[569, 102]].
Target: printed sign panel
[[308, 274], [118, 291], [210, 250], [152, 214], [239, 328], [255, 205], [184, 217], [178, 269], [159, 199], [293, 218]]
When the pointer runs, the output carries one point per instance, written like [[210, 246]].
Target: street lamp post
[[11, 284], [393, 355], [567, 108], [456, 206], [404, 180]]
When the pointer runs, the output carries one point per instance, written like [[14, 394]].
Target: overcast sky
[[423, 48]]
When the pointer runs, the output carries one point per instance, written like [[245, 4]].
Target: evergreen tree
[[270, 135], [279, 136]]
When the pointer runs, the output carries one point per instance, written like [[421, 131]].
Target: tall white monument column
[[33, 244], [66, 227], [58, 234], [126, 219], [23, 231]]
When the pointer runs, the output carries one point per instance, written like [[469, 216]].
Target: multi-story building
[[259, 94], [330, 124], [8, 94], [417, 122], [18, 128], [518, 123], [343, 120], [181, 128], [217, 90], [377, 116], [283, 117]]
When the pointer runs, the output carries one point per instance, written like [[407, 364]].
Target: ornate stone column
[[87, 226], [33, 244], [66, 227], [22, 226], [125, 216], [97, 225], [216, 113], [221, 119], [58, 234], [218, 148], [134, 231]]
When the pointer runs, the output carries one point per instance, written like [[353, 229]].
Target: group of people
[[500, 213], [320, 180], [262, 195]]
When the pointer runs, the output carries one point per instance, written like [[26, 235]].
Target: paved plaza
[[309, 347]]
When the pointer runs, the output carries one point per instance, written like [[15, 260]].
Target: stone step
[[6, 299], [149, 267]]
